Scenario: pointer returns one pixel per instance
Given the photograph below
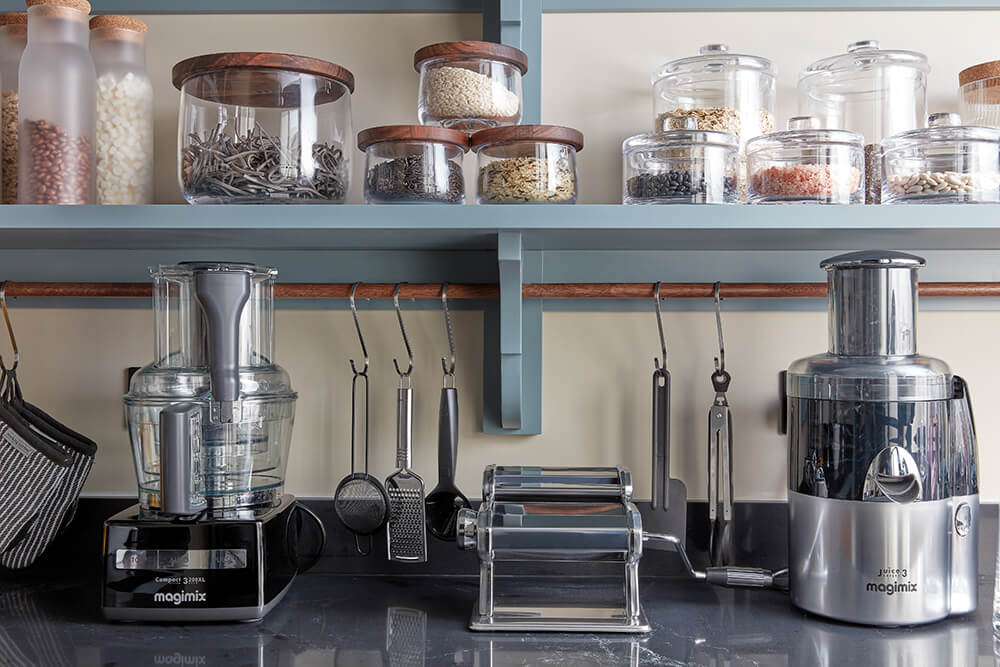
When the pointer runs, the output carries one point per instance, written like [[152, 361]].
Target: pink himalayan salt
[[805, 180]]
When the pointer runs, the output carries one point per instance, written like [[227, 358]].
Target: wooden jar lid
[[488, 50], [118, 22], [79, 5], [979, 72], [541, 133], [215, 62], [383, 133]]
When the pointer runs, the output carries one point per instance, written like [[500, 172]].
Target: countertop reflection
[[373, 621]]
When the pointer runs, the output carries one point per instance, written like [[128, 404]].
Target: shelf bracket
[[512, 391]]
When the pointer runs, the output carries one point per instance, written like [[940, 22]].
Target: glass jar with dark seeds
[[680, 166], [413, 164]]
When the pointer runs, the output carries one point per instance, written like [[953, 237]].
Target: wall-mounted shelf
[[543, 227]]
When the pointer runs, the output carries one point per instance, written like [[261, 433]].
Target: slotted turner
[[406, 536]]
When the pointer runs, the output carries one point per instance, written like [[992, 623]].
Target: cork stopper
[[79, 5], [979, 72], [14, 18], [118, 22]]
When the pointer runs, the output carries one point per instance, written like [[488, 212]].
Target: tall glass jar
[[263, 128], [725, 92], [875, 92], [124, 111], [56, 106], [13, 37]]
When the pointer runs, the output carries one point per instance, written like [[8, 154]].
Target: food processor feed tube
[[222, 295]]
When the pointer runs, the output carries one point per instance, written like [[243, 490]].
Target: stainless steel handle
[[404, 426], [661, 439], [739, 577]]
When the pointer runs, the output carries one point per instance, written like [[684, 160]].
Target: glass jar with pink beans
[[807, 165]]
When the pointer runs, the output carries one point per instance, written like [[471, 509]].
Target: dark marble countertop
[[379, 620]]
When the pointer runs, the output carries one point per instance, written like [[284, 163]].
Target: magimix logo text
[[180, 598], [892, 589], [178, 659]]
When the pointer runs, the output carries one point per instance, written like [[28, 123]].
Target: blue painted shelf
[[543, 227]]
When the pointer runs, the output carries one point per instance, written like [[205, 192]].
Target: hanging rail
[[487, 291]]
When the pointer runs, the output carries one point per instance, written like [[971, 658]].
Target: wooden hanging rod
[[488, 291]]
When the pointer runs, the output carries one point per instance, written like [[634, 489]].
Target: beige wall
[[596, 366], [596, 385]]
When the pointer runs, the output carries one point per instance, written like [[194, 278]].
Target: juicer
[[213, 537], [883, 494]]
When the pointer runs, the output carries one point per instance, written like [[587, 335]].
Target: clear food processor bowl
[[238, 464]]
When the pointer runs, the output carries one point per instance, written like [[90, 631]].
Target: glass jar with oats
[[527, 164], [723, 91], [13, 37]]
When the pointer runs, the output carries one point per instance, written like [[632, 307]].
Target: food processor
[[213, 537], [883, 493]]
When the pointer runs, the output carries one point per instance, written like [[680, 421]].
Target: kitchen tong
[[720, 456]]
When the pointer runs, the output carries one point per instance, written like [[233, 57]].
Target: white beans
[[124, 140], [941, 182]]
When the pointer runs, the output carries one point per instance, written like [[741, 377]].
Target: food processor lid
[[679, 139], [257, 383], [188, 268], [714, 58], [864, 56], [873, 259], [904, 379]]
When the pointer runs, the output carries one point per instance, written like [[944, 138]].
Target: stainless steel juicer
[[568, 515], [883, 484]]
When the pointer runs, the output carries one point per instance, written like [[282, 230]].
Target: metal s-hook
[[357, 327], [404, 378], [10, 330], [661, 364], [448, 365], [720, 361]]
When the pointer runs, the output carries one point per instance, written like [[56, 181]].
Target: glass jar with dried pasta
[[413, 164], [527, 164], [263, 128], [13, 37], [56, 106]]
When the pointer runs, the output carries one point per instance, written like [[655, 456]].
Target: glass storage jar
[[13, 37], [874, 92], [413, 164], [807, 164], [124, 111], [944, 163], [725, 92], [263, 128], [469, 86], [527, 164], [56, 106], [979, 94], [681, 165]]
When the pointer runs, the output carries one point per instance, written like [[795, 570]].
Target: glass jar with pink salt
[[806, 164]]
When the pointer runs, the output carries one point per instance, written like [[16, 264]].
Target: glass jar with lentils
[[56, 106], [13, 37]]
